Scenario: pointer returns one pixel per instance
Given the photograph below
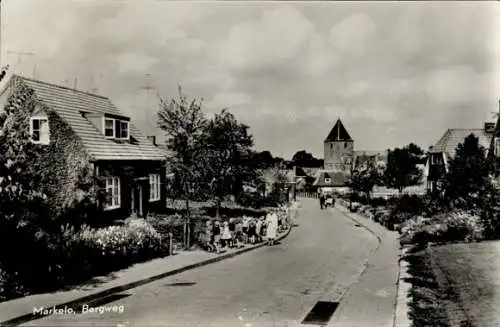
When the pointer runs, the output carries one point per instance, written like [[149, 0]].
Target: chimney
[[152, 139], [489, 127]]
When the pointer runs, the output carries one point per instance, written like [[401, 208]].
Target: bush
[[463, 226], [378, 202], [456, 226], [136, 241]]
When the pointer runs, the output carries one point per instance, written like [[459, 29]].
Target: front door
[[137, 199]]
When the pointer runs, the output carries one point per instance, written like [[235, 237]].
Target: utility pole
[[146, 88], [20, 55], [94, 88]]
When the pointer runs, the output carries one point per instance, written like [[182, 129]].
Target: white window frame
[[328, 180], [112, 127], [113, 185], [496, 148], [114, 136], [154, 187], [32, 130]]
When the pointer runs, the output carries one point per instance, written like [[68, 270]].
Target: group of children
[[220, 235]]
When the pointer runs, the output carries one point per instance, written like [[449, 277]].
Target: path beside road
[[371, 300]]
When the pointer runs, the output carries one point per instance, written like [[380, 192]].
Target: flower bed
[[454, 226], [75, 256]]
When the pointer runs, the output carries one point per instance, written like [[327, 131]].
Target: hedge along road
[[318, 261]]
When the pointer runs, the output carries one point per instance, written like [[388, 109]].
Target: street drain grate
[[321, 313], [181, 284]]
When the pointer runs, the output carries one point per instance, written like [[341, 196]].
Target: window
[[154, 187], [109, 128], [328, 180], [497, 146], [39, 130], [115, 128], [123, 130], [112, 193]]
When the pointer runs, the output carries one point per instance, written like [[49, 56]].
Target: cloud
[[258, 45], [135, 62], [389, 71]]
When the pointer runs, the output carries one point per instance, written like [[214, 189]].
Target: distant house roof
[[311, 172], [453, 137], [363, 157], [70, 105], [336, 179], [338, 133]]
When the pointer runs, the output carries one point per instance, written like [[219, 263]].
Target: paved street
[[271, 286]]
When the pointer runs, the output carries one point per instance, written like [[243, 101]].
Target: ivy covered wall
[[66, 169]]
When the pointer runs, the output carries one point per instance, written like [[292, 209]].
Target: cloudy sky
[[393, 72]]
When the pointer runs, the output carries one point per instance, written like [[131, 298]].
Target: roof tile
[[69, 105], [453, 137]]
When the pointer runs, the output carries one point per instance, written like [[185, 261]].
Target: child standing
[[226, 235]]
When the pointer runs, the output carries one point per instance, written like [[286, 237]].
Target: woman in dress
[[271, 227], [226, 235]]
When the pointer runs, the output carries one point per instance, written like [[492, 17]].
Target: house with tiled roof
[[83, 131], [330, 181], [443, 151]]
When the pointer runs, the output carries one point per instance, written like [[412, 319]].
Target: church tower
[[339, 149]]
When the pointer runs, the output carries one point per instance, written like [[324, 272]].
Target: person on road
[[258, 230], [232, 230], [239, 234], [226, 235], [271, 227], [216, 233], [322, 201]]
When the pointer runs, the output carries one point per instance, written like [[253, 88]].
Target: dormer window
[[116, 129], [39, 130], [328, 180], [109, 130]]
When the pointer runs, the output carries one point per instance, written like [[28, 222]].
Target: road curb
[[401, 310], [401, 318], [345, 212], [118, 289]]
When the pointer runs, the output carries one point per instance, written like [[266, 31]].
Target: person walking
[[271, 227], [322, 201]]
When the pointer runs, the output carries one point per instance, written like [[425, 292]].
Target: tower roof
[[338, 133]]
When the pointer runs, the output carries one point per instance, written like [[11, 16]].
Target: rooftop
[[338, 133], [454, 136], [70, 104]]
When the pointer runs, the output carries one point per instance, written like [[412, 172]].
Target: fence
[[313, 195], [385, 195]]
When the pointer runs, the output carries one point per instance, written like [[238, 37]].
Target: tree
[[24, 222], [402, 170], [305, 159], [364, 180], [228, 144], [467, 182], [262, 159], [184, 123]]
